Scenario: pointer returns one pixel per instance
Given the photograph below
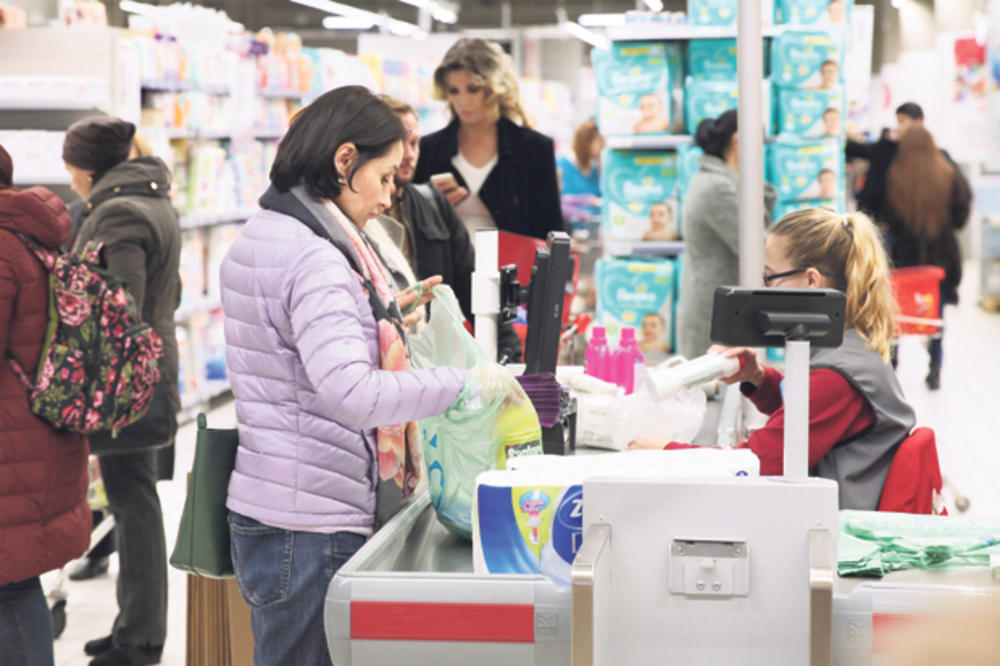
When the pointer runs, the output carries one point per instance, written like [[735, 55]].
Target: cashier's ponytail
[[848, 250]]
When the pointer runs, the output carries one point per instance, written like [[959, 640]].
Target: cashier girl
[[857, 413]]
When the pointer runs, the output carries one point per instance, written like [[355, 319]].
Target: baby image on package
[[637, 293], [632, 89], [812, 113], [818, 12], [638, 189], [801, 59], [807, 169]]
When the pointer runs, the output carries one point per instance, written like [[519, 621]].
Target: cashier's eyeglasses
[[768, 279]]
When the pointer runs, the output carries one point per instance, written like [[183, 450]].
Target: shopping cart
[[98, 501], [917, 290]]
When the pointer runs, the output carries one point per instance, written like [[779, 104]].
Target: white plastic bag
[[677, 420]]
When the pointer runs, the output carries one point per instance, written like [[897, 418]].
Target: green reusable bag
[[202, 545]]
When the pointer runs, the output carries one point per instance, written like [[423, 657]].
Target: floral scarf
[[399, 456]]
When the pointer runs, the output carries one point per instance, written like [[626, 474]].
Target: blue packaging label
[[632, 89], [812, 113], [814, 12], [638, 189], [802, 59], [807, 170], [712, 59], [637, 293]]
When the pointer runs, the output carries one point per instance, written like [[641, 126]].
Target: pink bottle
[[597, 358], [625, 358]]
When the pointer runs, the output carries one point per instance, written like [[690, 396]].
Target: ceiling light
[[143, 8], [654, 5], [583, 34], [394, 26], [600, 20], [347, 23], [441, 11]]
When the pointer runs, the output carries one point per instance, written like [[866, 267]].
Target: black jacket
[[521, 192], [441, 246], [879, 156]]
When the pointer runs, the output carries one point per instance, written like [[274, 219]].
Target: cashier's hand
[[750, 370], [647, 443], [414, 300]]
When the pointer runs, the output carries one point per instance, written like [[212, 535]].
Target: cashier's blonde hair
[[490, 68], [847, 248]]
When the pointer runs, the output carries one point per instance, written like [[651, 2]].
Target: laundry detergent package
[[638, 293], [806, 169], [632, 89], [710, 99], [831, 13], [812, 113], [723, 12], [529, 519], [638, 190], [807, 59]]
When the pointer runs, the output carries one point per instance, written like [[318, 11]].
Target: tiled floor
[[961, 413]]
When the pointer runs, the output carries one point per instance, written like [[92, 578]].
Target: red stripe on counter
[[417, 621], [883, 624]]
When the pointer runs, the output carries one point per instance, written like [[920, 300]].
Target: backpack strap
[[44, 254]]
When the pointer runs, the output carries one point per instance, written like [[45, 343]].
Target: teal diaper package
[[632, 89], [812, 113], [723, 12], [712, 59], [814, 12], [807, 59], [687, 167], [709, 99], [638, 190], [783, 208], [638, 293], [806, 169]]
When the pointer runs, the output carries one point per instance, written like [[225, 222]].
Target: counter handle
[[820, 599], [589, 570]]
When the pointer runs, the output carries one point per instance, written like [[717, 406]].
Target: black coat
[[521, 192]]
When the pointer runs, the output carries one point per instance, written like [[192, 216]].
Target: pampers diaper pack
[[709, 99], [806, 169], [783, 208], [712, 59], [638, 190], [638, 293], [529, 519], [818, 12], [812, 113], [723, 12], [807, 59], [632, 88]]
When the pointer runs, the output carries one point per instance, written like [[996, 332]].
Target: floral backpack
[[99, 360]]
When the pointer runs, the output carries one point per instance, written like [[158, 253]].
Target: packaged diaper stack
[[824, 13], [633, 94], [529, 518], [723, 12], [711, 86], [638, 190], [638, 293]]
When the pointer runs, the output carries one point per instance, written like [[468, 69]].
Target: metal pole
[[750, 55], [796, 399]]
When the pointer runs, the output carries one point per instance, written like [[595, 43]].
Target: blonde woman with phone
[[496, 170]]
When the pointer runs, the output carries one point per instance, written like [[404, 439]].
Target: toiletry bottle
[[598, 355]]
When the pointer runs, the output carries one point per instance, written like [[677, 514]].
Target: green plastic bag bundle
[[876, 543], [492, 419]]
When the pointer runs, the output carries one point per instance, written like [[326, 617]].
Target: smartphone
[[444, 181]]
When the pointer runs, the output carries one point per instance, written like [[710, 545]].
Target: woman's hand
[[414, 299], [647, 443], [750, 370], [456, 195]]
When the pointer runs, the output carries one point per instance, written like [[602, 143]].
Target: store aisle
[[961, 413]]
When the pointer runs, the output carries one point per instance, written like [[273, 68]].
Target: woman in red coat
[[44, 518]]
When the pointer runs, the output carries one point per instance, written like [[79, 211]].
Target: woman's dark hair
[[715, 134], [350, 114], [919, 185]]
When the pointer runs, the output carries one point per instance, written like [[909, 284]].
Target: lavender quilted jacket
[[304, 363]]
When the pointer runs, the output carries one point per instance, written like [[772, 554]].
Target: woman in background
[[711, 231], [580, 175], [502, 172]]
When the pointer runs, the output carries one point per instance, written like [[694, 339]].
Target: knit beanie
[[97, 144], [6, 169]]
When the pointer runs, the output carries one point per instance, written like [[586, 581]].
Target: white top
[[472, 210]]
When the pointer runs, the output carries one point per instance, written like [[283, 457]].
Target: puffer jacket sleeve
[[320, 295], [8, 293]]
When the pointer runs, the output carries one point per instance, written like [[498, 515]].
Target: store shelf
[[52, 93], [175, 134], [643, 248], [168, 85], [186, 312], [648, 142], [199, 220], [281, 93], [192, 403], [642, 32]]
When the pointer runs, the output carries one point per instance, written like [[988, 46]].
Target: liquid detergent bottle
[[598, 357], [668, 379], [625, 358]]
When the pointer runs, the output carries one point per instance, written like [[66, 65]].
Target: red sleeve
[[837, 411], [767, 396]]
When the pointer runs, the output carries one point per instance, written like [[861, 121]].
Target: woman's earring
[[341, 181]]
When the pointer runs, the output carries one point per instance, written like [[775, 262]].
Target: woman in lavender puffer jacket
[[325, 399]]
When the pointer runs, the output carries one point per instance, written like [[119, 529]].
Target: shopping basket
[[917, 290]]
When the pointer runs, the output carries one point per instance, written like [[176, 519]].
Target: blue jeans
[[284, 575], [25, 625]]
